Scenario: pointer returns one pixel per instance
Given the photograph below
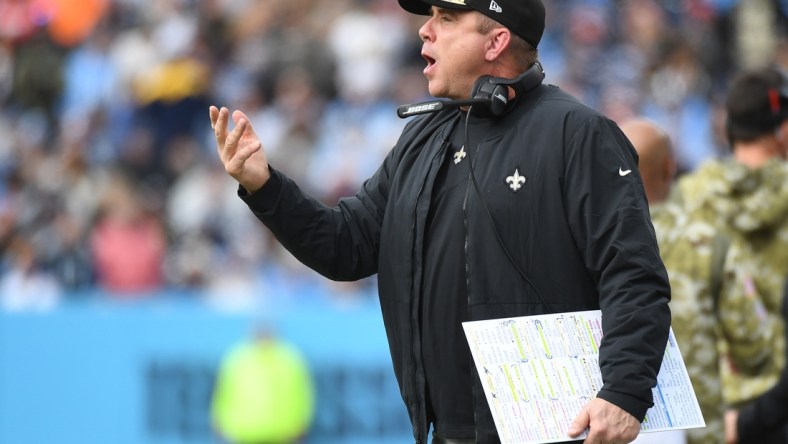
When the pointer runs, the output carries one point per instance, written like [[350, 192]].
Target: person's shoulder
[[775, 171], [421, 128], [554, 98], [558, 105], [727, 185], [711, 178], [429, 121]]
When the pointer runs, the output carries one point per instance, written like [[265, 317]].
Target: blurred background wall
[[144, 373]]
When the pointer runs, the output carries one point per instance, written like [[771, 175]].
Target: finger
[[580, 423], [220, 128], [213, 113], [232, 140], [596, 436], [238, 116], [242, 155], [593, 438]]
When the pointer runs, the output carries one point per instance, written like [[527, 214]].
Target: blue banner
[[110, 372]]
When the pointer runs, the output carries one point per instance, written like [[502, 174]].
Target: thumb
[[580, 423]]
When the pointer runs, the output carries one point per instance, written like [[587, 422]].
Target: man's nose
[[425, 32]]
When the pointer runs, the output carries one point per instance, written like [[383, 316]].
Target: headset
[[489, 95]]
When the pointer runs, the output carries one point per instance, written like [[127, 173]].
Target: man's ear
[[499, 40]]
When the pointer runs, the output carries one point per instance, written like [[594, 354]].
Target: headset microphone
[[435, 105], [489, 95]]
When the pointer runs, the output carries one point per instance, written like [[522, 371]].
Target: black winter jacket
[[578, 227]]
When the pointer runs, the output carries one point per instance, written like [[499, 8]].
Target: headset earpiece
[[494, 91], [496, 96]]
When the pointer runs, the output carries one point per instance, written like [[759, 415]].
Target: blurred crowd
[[109, 179]]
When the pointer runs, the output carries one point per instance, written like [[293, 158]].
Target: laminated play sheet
[[539, 371]]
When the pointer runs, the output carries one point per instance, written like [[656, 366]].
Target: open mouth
[[430, 62]]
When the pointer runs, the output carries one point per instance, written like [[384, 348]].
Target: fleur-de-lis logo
[[459, 155], [515, 181]]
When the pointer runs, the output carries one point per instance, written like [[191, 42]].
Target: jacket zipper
[[466, 247]]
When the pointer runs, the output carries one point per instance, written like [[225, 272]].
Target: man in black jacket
[[522, 201]]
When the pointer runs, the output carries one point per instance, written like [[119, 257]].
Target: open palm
[[240, 150]]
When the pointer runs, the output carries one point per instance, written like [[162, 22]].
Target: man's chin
[[437, 91]]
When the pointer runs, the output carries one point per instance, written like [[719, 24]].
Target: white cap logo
[[494, 7]]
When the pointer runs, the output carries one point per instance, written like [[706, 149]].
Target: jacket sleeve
[[339, 242], [609, 218]]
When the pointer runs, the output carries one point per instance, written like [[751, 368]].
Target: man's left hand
[[606, 424]]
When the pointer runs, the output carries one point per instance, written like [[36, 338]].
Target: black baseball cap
[[757, 103], [523, 17]]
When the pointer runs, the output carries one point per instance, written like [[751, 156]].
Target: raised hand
[[240, 150]]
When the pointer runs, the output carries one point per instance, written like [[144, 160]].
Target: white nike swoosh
[[623, 172]]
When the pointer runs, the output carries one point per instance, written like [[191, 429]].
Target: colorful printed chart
[[539, 371]]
